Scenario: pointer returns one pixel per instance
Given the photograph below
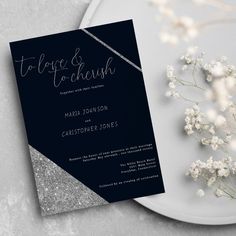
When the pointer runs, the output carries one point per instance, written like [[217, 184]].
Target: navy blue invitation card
[[87, 118]]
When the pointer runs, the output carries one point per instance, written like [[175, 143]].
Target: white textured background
[[19, 212]]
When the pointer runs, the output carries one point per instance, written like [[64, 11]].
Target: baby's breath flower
[[224, 172], [193, 119], [170, 72], [168, 93], [176, 94], [200, 193], [209, 95], [219, 192], [212, 130], [212, 121], [215, 142], [212, 171], [220, 120], [233, 144], [172, 85], [211, 181], [184, 67], [188, 129]]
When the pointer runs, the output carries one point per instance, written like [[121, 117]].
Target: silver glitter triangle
[[58, 191]]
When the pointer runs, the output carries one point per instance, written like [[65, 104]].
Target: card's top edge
[[70, 31]]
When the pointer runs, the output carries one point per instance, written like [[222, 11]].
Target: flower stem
[[217, 21]]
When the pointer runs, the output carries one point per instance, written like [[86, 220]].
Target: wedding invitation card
[[87, 118]]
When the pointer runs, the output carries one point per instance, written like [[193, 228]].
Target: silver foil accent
[[112, 49], [58, 191]]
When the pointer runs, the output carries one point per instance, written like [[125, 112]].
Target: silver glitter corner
[[58, 191]]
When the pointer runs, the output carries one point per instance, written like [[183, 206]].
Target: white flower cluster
[[212, 169], [213, 173], [214, 142], [222, 77], [213, 120], [190, 58], [182, 27], [193, 119], [197, 122], [172, 83]]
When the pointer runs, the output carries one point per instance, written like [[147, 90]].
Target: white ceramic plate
[[176, 151]]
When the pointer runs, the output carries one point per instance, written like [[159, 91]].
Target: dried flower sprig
[[184, 27], [215, 126]]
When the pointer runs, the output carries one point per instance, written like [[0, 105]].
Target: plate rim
[[209, 221], [144, 201], [92, 7]]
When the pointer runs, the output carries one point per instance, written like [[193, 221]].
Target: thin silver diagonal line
[[111, 49]]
